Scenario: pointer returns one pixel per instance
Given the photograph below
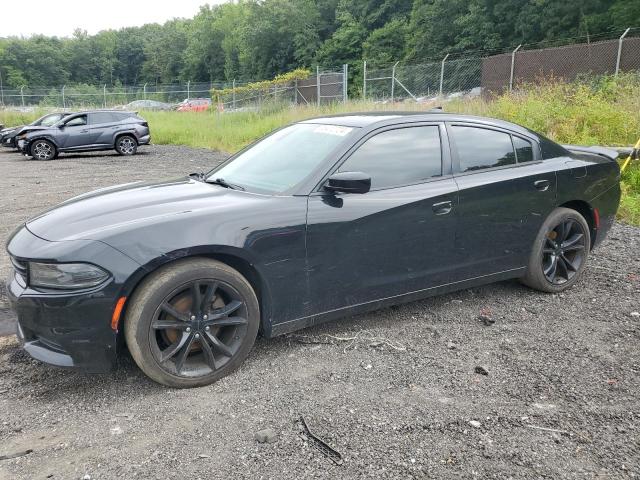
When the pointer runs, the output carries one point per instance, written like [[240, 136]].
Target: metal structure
[[468, 76]]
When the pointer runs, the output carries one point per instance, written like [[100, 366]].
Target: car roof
[[84, 112], [380, 119]]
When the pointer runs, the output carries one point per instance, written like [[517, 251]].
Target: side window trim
[[445, 153], [455, 158]]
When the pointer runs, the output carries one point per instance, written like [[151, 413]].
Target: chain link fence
[[325, 87], [473, 76]]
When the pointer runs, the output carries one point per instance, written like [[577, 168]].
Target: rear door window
[[101, 117], [403, 156], [481, 148]]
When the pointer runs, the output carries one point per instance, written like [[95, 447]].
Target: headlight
[[65, 275]]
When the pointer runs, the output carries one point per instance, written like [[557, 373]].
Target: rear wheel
[[43, 150], [192, 323], [559, 253], [126, 145]]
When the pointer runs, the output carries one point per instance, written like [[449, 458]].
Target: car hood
[[4, 131], [100, 214]]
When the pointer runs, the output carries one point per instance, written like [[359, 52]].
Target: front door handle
[[542, 185], [84, 131], [442, 208]]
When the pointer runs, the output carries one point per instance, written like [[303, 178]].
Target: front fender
[[48, 137]]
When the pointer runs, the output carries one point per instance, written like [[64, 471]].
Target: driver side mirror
[[349, 182]]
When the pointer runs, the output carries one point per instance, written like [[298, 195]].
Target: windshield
[[282, 160], [48, 120]]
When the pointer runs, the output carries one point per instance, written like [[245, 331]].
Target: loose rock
[[268, 435]]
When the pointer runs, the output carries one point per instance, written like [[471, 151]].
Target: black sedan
[[321, 219]]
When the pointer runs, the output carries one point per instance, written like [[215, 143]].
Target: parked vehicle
[[87, 131], [321, 219], [194, 105], [148, 105], [8, 136]]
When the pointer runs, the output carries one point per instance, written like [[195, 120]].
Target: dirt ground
[[396, 391]]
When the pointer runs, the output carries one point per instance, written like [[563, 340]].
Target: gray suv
[[87, 131]]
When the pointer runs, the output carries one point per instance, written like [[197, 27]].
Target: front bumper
[[68, 328]]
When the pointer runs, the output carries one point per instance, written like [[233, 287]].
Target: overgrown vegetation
[[258, 39], [602, 111]]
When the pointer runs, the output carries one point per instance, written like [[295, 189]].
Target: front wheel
[[126, 145], [559, 253], [43, 150], [192, 323]]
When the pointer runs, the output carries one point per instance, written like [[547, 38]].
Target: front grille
[[20, 268]]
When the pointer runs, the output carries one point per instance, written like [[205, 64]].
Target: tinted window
[[480, 148], [81, 120], [524, 149], [284, 159], [102, 117], [398, 157]]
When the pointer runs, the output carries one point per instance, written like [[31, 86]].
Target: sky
[[62, 17]]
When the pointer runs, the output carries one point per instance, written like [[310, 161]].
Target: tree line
[[257, 39]]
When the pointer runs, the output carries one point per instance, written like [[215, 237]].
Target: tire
[[556, 266], [173, 343], [43, 150], [126, 145]]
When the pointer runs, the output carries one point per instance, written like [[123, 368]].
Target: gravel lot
[[395, 391]]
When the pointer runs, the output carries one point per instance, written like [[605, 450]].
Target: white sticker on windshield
[[333, 130]]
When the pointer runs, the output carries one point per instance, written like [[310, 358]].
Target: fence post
[[364, 85], [345, 82], [144, 91], [513, 64], [104, 95], [393, 81], [318, 83], [442, 73], [22, 94], [620, 49], [1, 90], [64, 103], [234, 93], [188, 88]]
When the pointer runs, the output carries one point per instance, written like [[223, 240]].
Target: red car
[[194, 105]]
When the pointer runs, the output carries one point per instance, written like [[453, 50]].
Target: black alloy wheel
[[559, 253], [191, 322], [564, 252], [198, 328]]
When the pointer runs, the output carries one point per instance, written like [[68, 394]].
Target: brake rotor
[[182, 303]]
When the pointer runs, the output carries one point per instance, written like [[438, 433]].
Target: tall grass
[[595, 111]]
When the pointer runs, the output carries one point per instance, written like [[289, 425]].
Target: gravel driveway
[[396, 392]]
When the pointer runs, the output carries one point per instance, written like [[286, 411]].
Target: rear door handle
[[542, 185], [442, 208], [84, 131]]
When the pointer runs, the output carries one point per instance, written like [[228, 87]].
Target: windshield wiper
[[223, 183]]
